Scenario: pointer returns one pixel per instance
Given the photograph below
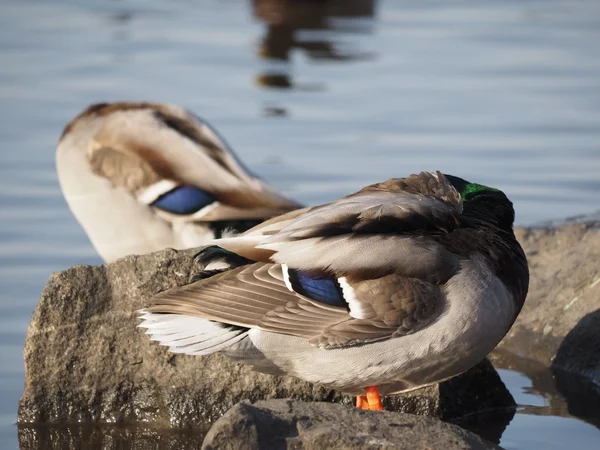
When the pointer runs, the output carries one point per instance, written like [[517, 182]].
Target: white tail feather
[[189, 335], [210, 346], [218, 264]]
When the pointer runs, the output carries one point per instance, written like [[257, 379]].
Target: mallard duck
[[140, 177], [403, 284]]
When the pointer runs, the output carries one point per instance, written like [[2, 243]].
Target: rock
[[582, 395], [86, 361], [564, 266], [579, 352], [286, 424]]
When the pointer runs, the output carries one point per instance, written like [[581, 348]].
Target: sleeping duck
[[140, 177], [403, 284]]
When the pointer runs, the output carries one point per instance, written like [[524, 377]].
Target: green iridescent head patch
[[473, 188]]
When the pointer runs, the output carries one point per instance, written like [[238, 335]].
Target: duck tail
[[189, 334], [176, 326]]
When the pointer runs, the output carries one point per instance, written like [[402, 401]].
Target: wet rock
[[286, 424], [86, 361], [582, 395], [576, 369], [103, 437], [579, 352], [564, 265]]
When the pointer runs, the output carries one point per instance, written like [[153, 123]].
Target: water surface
[[319, 99]]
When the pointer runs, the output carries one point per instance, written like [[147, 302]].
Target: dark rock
[[286, 424], [86, 361], [576, 369], [564, 265], [579, 352], [581, 395]]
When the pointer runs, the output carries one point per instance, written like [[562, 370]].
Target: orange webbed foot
[[374, 399], [371, 401], [361, 402]]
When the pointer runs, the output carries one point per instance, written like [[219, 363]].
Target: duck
[[403, 284], [140, 177]]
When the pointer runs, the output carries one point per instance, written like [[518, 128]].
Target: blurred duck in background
[[141, 177]]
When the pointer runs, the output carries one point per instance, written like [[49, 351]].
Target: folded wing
[[358, 270], [256, 296]]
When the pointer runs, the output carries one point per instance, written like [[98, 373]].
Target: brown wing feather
[[425, 183], [424, 203], [397, 305], [255, 296], [251, 296], [377, 230]]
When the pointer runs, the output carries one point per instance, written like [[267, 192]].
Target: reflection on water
[[490, 425], [582, 395], [139, 437], [550, 393], [314, 28]]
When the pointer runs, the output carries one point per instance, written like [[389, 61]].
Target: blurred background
[[318, 97]]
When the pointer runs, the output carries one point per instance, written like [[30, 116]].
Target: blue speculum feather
[[183, 200], [324, 290]]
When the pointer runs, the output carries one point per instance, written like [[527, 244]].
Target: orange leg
[[361, 402], [374, 399]]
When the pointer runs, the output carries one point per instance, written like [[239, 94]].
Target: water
[[503, 93]]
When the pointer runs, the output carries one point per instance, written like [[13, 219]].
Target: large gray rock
[[86, 361], [564, 265], [286, 424]]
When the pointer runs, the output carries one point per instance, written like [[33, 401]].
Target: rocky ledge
[[86, 361], [286, 424]]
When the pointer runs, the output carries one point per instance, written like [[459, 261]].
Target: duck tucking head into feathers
[[141, 177], [403, 284]]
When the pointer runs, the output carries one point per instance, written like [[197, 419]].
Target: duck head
[[484, 204]]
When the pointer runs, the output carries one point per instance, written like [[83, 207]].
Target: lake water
[[320, 98]]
